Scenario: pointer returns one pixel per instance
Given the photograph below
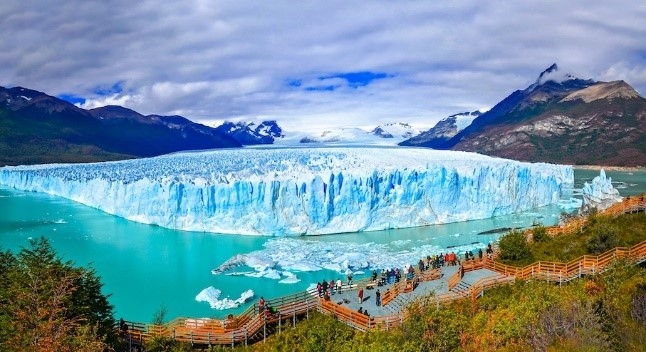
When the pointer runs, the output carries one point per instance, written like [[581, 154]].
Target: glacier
[[301, 191]]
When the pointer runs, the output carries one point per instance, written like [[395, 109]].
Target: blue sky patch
[[71, 98], [359, 79], [104, 90], [321, 88], [331, 82]]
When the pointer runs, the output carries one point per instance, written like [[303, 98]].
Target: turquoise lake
[[146, 267]]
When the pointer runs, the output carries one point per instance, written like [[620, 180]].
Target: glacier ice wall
[[296, 191]]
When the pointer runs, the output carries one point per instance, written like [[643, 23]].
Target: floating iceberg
[[600, 194], [290, 254], [212, 296], [296, 191]]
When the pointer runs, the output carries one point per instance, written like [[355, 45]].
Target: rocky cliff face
[[443, 131], [561, 119], [603, 124]]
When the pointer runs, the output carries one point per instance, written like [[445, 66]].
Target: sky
[[313, 65]]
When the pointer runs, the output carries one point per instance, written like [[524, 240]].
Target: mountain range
[[38, 128], [558, 119]]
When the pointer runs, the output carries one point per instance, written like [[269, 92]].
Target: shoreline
[[609, 168]]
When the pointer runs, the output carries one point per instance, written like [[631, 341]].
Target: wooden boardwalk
[[437, 286]]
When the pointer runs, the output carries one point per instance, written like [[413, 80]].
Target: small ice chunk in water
[[212, 296]]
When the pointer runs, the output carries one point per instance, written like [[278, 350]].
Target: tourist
[[420, 265], [360, 311], [466, 256], [374, 275], [452, 258], [360, 295], [365, 312], [338, 285], [480, 253], [324, 284], [471, 255], [332, 286], [261, 304], [350, 279], [378, 298], [123, 326], [319, 288], [446, 260]]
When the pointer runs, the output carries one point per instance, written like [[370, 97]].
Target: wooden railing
[[562, 272], [252, 325], [628, 205]]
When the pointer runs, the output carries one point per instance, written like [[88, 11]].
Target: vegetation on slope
[[50, 305], [600, 234]]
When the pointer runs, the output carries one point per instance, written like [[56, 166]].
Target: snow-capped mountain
[[395, 130], [389, 134], [444, 130], [250, 133], [560, 119]]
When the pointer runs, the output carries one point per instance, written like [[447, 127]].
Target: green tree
[[513, 247], [51, 305]]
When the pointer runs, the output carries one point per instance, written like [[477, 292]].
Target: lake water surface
[[146, 267]]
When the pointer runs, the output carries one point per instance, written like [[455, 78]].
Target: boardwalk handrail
[[251, 325]]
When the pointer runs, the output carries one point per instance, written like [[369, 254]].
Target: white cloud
[[114, 99], [213, 61]]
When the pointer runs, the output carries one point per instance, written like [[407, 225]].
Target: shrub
[[540, 234], [603, 237]]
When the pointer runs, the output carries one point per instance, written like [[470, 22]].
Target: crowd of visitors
[[394, 275]]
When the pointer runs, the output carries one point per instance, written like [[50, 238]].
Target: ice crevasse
[[295, 191]]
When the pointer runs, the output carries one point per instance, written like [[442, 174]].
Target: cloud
[[311, 64]]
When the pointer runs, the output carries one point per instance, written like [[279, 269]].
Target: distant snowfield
[[295, 191]]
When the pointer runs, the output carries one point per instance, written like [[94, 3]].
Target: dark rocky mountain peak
[[444, 130], [250, 133], [559, 119]]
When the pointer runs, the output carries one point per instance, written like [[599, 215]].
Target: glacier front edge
[[301, 191]]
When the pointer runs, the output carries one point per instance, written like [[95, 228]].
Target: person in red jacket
[[360, 295], [261, 305]]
